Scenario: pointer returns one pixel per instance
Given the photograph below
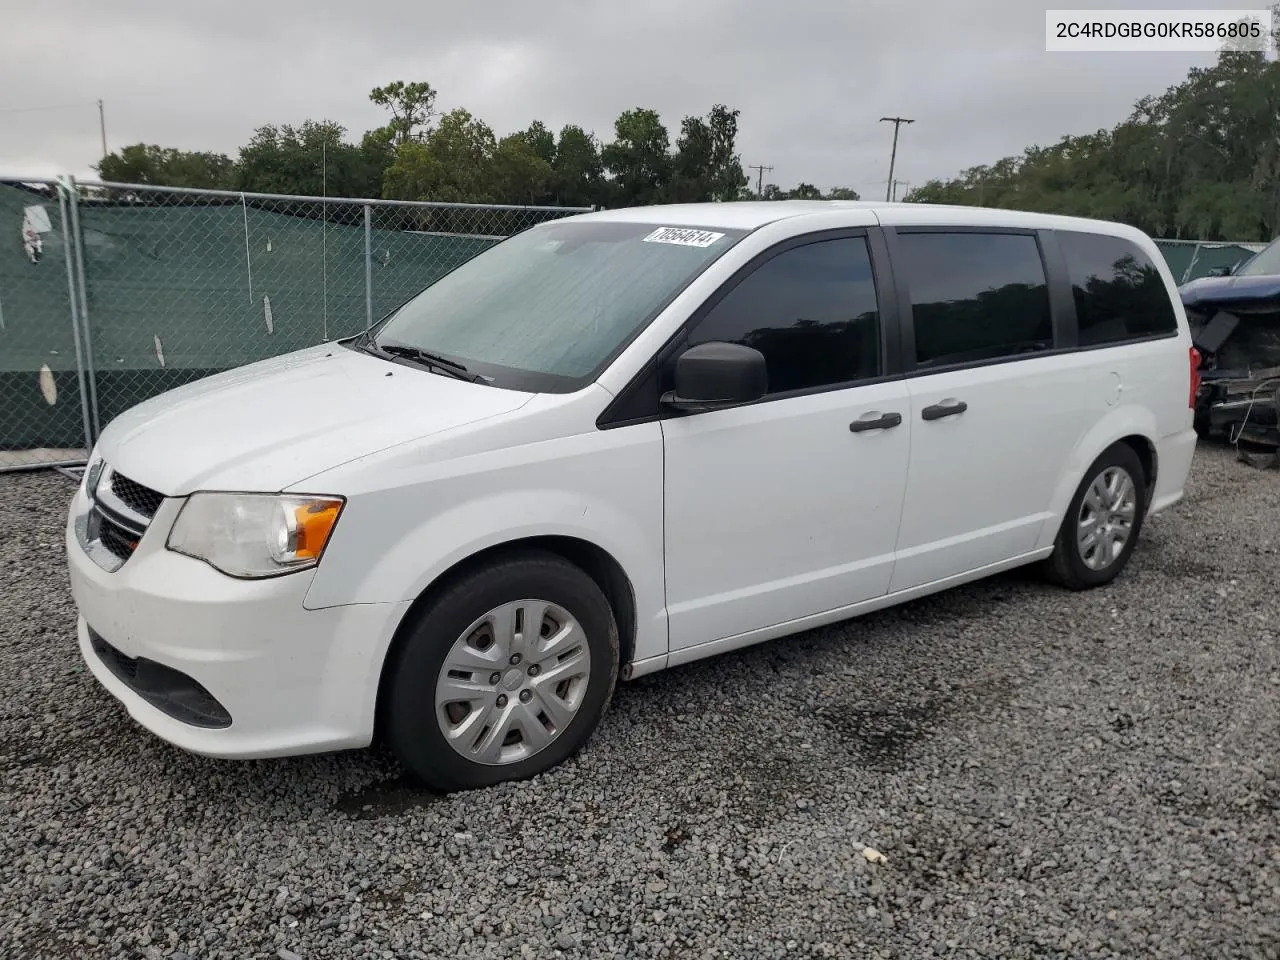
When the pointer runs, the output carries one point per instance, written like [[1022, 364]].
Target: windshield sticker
[[683, 237]]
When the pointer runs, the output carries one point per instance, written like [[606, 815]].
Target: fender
[[1120, 422], [469, 528], [393, 541], [406, 570]]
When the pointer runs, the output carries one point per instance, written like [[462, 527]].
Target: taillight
[[1194, 357]]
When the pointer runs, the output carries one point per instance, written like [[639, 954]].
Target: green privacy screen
[[39, 386], [177, 292], [1189, 259], [182, 286]]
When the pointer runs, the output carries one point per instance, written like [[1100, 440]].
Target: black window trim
[[1062, 322], [631, 407], [897, 331], [1072, 328]]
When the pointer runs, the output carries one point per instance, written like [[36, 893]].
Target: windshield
[[1264, 264], [546, 309]]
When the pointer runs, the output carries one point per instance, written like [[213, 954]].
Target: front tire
[[505, 675], [1102, 523]]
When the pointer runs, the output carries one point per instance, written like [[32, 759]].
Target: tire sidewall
[[413, 729], [1120, 455]]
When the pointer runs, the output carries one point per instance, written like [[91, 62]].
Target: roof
[[737, 215], [750, 214]]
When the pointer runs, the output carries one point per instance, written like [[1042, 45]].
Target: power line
[[65, 106], [893, 156], [760, 172], [102, 119]]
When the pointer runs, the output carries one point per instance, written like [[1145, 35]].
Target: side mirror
[[1219, 272], [715, 375]]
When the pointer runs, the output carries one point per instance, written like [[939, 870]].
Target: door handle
[[875, 421], [947, 408]]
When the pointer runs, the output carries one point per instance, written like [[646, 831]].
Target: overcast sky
[[811, 77]]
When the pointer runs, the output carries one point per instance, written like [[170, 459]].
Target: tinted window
[[810, 310], [975, 296], [1118, 291]]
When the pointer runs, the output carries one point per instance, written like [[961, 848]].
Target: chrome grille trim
[[109, 528]]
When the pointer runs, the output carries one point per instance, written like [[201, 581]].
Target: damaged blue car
[[1235, 324]]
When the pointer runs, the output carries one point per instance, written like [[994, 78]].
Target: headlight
[[255, 535]]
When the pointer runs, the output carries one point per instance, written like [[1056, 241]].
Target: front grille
[[118, 539], [143, 500], [166, 689], [119, 511]]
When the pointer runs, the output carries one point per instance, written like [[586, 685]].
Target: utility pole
[[905, 183], [102, 126], [897, 122], [760, 172]]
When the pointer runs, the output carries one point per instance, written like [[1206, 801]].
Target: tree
[[577, 175], [313, 159], [378, 151], [1201, 160], [725, 176], [804, 191], [842, 193], [455, 164], [706, 165], [541, 141], [691, 165], [415, 175], [638, 158], [518, 174], [166, 167], [411, 105]]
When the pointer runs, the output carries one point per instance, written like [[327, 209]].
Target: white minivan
[[619, 442]]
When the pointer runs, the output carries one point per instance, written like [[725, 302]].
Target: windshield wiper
[[444, 365]]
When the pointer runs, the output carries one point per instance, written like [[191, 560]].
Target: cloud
[[812, 79]]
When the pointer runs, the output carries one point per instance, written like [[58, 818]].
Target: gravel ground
[[1047, 775]]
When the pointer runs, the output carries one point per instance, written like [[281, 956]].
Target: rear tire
[[1102, 522], [479, 694]]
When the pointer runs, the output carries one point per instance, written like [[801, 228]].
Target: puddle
[[884, 738], [387, 798]]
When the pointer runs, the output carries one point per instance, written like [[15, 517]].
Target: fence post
[[1195, 255], [90, 370], [75, 321], [368, 266]]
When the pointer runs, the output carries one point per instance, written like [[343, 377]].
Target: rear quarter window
[[1118, 291]]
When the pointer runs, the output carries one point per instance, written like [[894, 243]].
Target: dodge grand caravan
[[619, 442]]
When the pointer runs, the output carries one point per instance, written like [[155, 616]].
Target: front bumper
[[291, 680]]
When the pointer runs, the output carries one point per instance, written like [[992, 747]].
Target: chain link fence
[[112, 293], [1192, 259], [44, 395]]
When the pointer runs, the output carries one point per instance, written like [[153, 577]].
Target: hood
[[1212, 291], [274, 423]]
